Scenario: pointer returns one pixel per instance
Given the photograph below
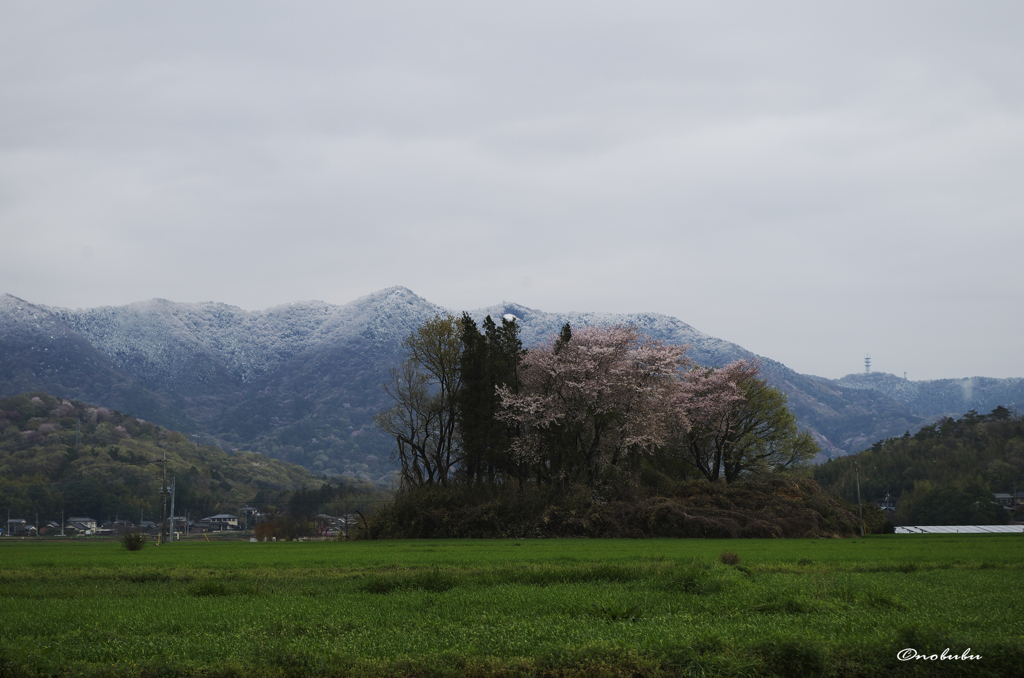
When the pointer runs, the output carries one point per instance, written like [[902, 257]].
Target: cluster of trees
[[944, 474], [600, 407], [314, 511]]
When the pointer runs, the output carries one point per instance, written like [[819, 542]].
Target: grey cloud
[[811, 181]]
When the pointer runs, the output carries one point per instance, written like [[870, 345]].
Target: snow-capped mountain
[[302, 381]]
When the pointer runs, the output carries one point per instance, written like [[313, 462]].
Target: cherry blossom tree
[[707, 398], [738, 425], [592, 400]]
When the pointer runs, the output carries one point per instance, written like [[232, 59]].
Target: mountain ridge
[[302, 381], [942, 396]]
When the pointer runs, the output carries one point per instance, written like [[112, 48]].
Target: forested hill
[[939, 397], [945, 473], [60, 454], [302, 382]]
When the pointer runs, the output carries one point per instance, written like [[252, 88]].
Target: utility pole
[[172, 510], [62, 522], [164, 490], [860, 516], [1013, 501]]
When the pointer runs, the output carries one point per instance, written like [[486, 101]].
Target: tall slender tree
[[425, 389]]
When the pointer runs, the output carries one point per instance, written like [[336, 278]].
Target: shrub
[[729, 558], [134, 541]]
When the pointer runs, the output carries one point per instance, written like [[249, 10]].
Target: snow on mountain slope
[[177, 344], [537, 326], [302, 381], [40, 352], [943, 396]]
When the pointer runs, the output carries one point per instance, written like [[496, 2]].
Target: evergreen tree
[[489, 360], [474, 398]]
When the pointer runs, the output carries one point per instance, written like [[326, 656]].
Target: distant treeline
[[946, 473]]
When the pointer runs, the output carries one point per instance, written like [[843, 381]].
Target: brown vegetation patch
[[777, 507]]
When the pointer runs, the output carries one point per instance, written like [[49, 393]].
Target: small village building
[[19, 527], [122, 527], [221, 521], [888, 506], [89, 523]]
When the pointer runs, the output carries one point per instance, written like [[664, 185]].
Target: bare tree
[[423, 418], [412, 421]]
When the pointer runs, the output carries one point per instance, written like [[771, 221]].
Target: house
[[122, 527], [89, 523], [76, 528], [105, 530], [886, 503], [19, 527], [222, 521], [1008, 499]]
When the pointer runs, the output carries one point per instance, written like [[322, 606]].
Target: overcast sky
[[813, 181]]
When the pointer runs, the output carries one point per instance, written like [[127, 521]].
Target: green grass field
[[497, 608]]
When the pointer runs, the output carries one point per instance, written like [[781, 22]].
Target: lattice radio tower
[[867, 364]]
